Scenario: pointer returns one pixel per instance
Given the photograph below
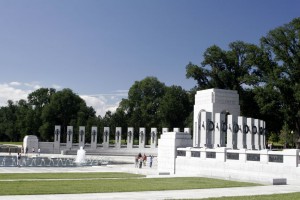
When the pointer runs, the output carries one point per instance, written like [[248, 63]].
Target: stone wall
[[167, 145], [248, 165]]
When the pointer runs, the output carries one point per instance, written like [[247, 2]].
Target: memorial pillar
[[56, 145], [219, 118], [230, 123], [130, 137], [261, 134], [241, 134], [153, 137], [69, 137], [223, 131], [106, 137], [235, 130], [142, 137], [164, 130], [232, 131], [255, 130], [176, 129], [250, 136], [118, 137], [264, 135], [207, 127], [187, 130], [81, 138], [94, 136]]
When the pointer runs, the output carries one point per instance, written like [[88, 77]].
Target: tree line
[[150, 103], [266, 77]]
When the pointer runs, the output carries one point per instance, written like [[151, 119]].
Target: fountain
[[80, 158], [53, 161]]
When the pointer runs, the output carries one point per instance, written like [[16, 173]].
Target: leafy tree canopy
[[280, 74]]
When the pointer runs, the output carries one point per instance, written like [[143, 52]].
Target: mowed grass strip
[[287, 196], [112, 185], [71, 175]]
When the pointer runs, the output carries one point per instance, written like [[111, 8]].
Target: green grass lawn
[[23, 184], [288, 196], [12, 143], [92, 175]]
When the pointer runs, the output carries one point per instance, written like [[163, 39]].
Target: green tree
[[175, 107], [8, 122], [280, 73], [65, 108], [233, 69], [141, 107], [38, 100], [144, 98], [24, 119]]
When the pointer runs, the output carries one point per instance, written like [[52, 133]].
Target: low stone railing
[[288, 157]]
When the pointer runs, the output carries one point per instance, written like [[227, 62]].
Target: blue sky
[[98, 48]]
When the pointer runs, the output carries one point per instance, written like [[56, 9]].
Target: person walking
[[144, 159], [150, 161], [18, 159], [140, 162], [136, 159]]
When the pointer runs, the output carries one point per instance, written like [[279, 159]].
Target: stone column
[[196, 133], [232, 132], [142, 138], [264, 135], [56, 145], [164, 130], [207, 126], [69, 137], [187, 130], [94, 136], [202, 131], [153, 137], [255, 130], [167, 150], [235, 130], [241, 135], [176, 129], [118, 137], [130, 137], [218, 130], [106, 137], [210, 130], [223, 132], [250, 136], [81, 137], [260, 134]]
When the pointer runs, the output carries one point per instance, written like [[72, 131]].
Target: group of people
[[141, 160], [32, 150], [25, 151]]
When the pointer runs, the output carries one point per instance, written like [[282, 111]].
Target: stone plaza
[[225, 145]]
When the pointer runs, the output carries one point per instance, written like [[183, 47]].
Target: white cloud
[[104, 102], [9, 92], [100, 102], [34, 85], [15, 83], [55, 86], [17, 90]]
